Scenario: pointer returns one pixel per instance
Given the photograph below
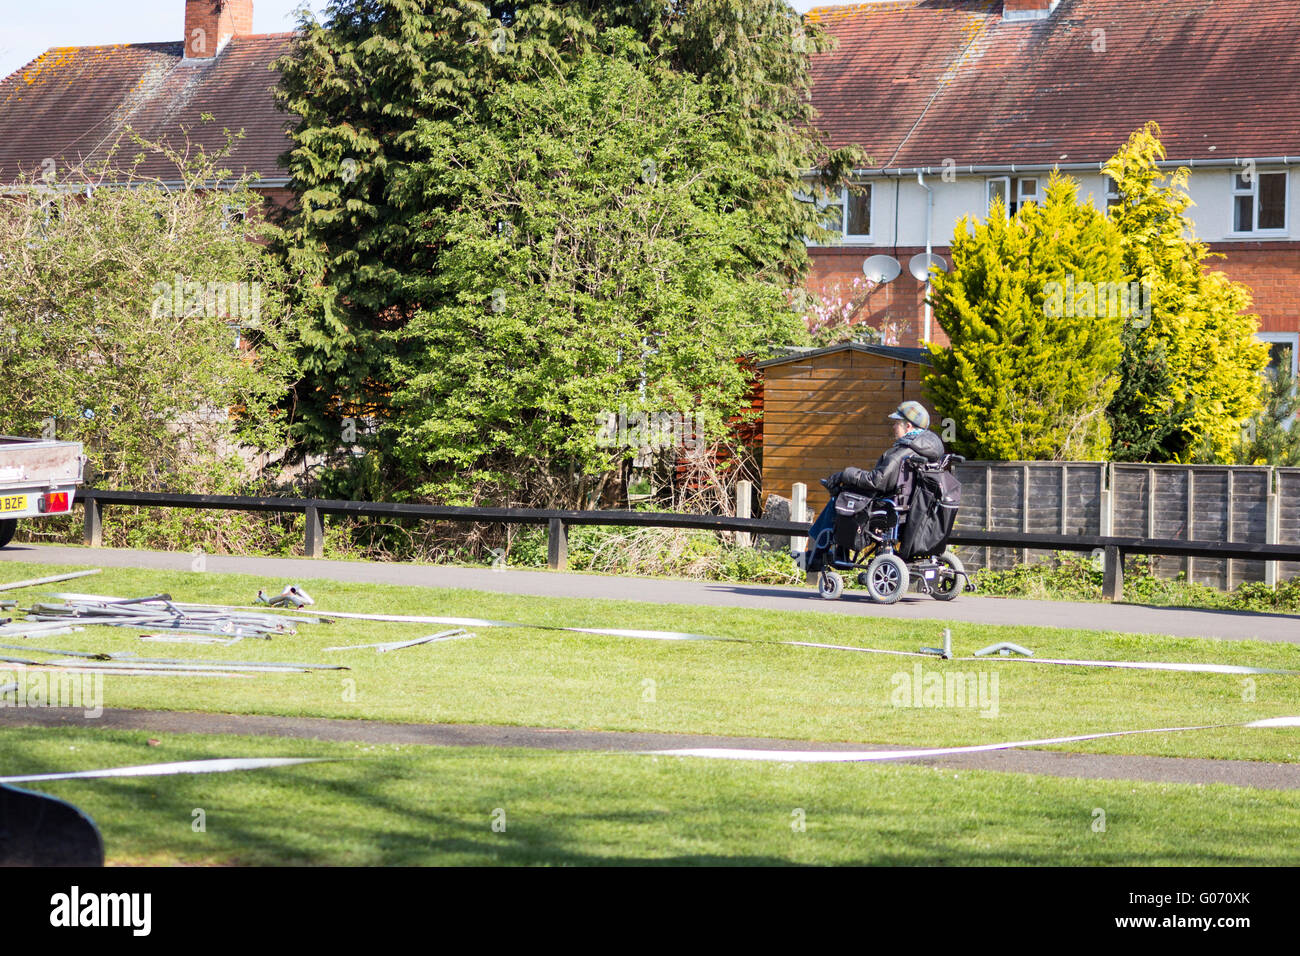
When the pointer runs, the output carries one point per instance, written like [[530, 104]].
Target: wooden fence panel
[[1210, 523], [1006, 497], [1250, 491], [1288, 518], [1174, 502], [1084, 485]]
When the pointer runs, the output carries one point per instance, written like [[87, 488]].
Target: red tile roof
[[915, 82], [922, 81], [72, 104]]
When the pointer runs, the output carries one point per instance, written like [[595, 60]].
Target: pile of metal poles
[[150, 614]]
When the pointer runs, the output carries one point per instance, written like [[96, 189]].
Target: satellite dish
[[881, 269], [919, 265]]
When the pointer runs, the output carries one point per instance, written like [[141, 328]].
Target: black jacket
[[883, 479]]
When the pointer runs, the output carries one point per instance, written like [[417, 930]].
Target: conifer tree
[[386, 93], [1191, 375], [1033, 307], [1271, 436]]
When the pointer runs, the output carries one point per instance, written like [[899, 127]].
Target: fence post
[[314, 542], [557, 545], [1112, 585], [1106, 510], [1024, 510], [1191, 519], [1272, 522], [798, 512], [1065, 494], [94, 532], [988, 511], [1228, 523], [744, 509]]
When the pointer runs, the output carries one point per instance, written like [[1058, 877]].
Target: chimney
[[209, 25], [1028, 9]]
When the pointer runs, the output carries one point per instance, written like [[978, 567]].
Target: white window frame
[[1111, 189], [1022, 197], [1285, 338], [230, 215], [1252, 190], [858, 237], [1013, 190], [842, 201], [1008, 200]]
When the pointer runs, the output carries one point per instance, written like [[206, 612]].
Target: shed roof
[[895, 352]]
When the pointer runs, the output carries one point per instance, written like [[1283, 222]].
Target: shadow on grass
[[405, 809]]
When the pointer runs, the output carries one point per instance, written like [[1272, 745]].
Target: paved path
[[1130, 618], [1240, 773]]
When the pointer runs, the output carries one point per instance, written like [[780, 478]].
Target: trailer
[[38, 479]]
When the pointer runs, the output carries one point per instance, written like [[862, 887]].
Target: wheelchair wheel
[[949, 586], [887, 578], [830, 585]]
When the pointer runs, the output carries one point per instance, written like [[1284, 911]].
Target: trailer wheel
[[7, 528]]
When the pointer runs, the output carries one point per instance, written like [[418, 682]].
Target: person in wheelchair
[[912, 437]]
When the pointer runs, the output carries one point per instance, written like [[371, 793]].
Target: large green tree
[[593, 262], [1032, 307], [1190, 374], [146, 320], [387, 91]]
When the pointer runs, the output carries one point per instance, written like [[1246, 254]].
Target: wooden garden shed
[[826, 409]]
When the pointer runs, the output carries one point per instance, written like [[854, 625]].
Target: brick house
[[955, 101], [958, 101], [71, 106]]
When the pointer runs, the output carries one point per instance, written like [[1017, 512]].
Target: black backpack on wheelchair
[[932, 511]]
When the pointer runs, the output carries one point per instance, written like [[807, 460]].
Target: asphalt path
[[969, 608], [1185, 770]]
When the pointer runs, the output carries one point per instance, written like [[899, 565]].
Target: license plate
[[13, 503]]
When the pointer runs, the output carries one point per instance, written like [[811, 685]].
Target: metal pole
[[929, 217]]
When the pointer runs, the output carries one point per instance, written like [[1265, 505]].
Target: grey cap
[[913, 413]]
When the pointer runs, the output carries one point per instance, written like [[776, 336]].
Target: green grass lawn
[[531, 677], [414, 805]]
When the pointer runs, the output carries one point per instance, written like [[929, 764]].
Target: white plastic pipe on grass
[[864, 756], [222, 765], [14, 585]]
